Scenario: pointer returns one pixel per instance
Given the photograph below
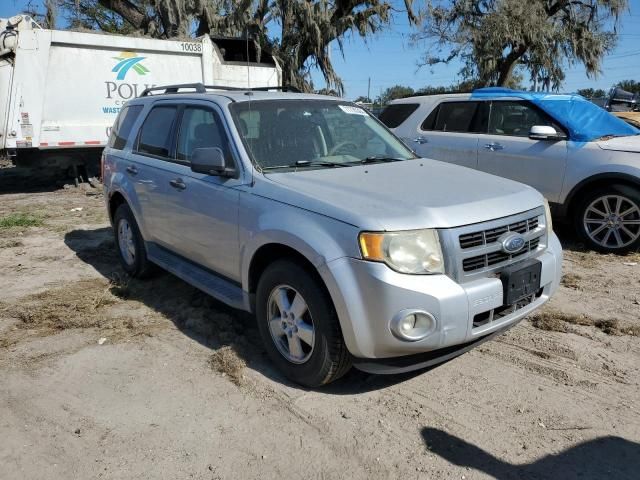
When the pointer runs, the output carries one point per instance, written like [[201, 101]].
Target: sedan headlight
[[415, 252], [547, 213]]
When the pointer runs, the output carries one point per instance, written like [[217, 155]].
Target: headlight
[[547, 213], [416, 251]]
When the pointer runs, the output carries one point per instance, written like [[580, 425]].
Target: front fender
[[318, 238]]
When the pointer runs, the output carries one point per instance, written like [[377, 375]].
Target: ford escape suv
[[308, 212], [584, 160]]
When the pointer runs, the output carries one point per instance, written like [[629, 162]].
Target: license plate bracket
[[520, 281]]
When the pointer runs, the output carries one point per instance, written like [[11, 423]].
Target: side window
[[123, 125], [456, 117], [516, 119], [430, 122], [393, 115], [156, 133], [200, 128]]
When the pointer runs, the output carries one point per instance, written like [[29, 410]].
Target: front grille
[[486, 237], [472, 250], [488, 260]]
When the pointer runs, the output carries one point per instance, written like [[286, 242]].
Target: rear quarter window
[[122, 126], [393, 115]]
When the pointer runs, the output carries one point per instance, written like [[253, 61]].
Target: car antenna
[[249, 92], [246, 37]]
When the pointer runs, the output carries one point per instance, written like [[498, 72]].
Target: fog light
[[412, 325]]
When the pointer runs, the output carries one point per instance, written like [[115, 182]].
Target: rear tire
[[608, 219], [299, 325], [130, 244]]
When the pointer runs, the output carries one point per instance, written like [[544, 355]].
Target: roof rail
[[201, 88], [284, 88]]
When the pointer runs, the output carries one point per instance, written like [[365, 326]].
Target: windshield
[[290, 134], [585, 120]]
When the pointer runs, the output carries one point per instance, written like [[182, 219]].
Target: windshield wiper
[[307, 163], [380, 158]]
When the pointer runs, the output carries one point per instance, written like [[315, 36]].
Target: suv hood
[[622, 144], [401, 195]]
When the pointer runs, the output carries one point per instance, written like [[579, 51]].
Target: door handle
[[421, 140], [132, 170], [493, 146], [178, 183]]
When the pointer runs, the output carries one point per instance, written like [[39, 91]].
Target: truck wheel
[[299, 325], [608, 219], [130, 244]]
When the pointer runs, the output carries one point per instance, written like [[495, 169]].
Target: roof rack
[[284, 88], [201, 88]]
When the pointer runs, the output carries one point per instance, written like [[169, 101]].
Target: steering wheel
[[340, 145]]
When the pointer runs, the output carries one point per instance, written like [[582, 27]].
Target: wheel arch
[[269, 253], [115, 200], [594, 182]]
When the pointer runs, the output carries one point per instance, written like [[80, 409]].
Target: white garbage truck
[[60, 91]]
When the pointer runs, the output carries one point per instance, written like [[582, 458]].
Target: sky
[[389, 58]]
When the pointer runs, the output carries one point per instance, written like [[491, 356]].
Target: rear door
[[449, 133], [150, 166], [506, 149]]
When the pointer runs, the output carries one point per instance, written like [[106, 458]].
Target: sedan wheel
[[612, 222]]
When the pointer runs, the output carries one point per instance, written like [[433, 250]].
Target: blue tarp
[[584, 120]]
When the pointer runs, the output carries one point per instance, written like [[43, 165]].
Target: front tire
[[299, 325], [130, 244], [608, 219]]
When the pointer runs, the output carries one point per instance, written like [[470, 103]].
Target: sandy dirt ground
[[102, 377]]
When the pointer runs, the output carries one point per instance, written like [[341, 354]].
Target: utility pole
[[369, 91]]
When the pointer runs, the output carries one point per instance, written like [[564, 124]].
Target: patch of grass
[[119, 286], [571, 280], [633, 330], [77, 305], [226, 361], [549, 322], [11, 243], [561, 322], [20, 220], [610, 326]]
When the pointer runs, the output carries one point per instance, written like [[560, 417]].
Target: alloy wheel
[[612, 221], [290, 324], [125, 242]]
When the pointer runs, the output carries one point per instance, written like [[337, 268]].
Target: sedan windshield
[[304, 134]]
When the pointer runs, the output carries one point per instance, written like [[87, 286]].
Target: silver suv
[[584, 160], [308, 212]]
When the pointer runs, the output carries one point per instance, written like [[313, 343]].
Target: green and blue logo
[[127, 61]]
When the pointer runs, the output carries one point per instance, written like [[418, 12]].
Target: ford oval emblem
[[512, 243]]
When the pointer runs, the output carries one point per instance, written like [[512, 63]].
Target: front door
[[203, 209], [506, 149]]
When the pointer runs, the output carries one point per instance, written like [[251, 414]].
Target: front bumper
[[368, 295]]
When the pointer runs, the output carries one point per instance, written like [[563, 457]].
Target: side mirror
[[545, 132], [210, 160]]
